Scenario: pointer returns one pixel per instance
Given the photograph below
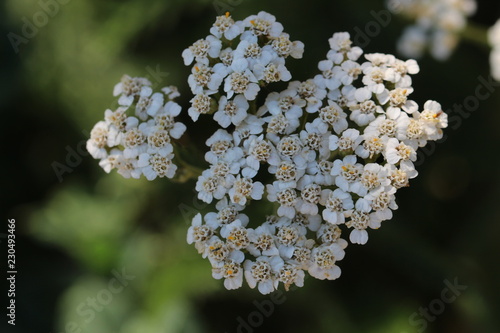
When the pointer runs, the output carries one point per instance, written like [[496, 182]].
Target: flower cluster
[[328, 153], [239, 72], [140, 144], [437, 25], [494, 40]]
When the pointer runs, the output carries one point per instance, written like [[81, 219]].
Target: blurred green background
[[76, 232]]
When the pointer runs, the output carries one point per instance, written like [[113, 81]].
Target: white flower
[[312, 91], [289, 273], [249, 54], [372, 177], [157, 165], [413, 42], [495, 63], [165, 118], [364, 108], [315, 138], [396, 151], [400, 176], [348, 142], [225, 26], [311, 222], [324, 260], [262, 241], [242, 83], [333, 115], [134, 141], [341, 43], [251, 125], [433, 119], [158, 141], [259, 151], [287, 101], [442, 44], [437, 22], [204, 79], [322, 172], [336, 203], [391, 128], [232, 111], [231, 270], [310, 197], [227, 213], [398, 72], [398, 100], [261, 273], [217, 251], [148, 103], [129, 88], [347, 171], [200, 104], [415, 135], [383, 202], [199, 233], [222, 147], [360, 220], [171, 92], [329, 233], [373, 77], [201, 50], [209, 186], [347, 72], [494, 34], [275, 71], [236, 235], [372, 146], [126, 167], [264, 24], [245, 188], [285, 195], [111, 161], [287, 173], [98, 141], [290, 148], [284, 47]]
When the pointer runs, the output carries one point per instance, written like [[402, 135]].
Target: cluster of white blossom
[[494, 40], [258, 59], [140, 144], [437, 25], [328, 153]]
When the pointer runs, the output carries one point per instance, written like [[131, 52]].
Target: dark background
[[74, 230]]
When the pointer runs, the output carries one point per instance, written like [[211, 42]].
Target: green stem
[[476, 34], [304, 121], [194, 172], [252, 108]]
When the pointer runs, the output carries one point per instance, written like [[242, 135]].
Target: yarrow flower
[[437, 25], [335, 171], [142, 143], [326, 155]]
